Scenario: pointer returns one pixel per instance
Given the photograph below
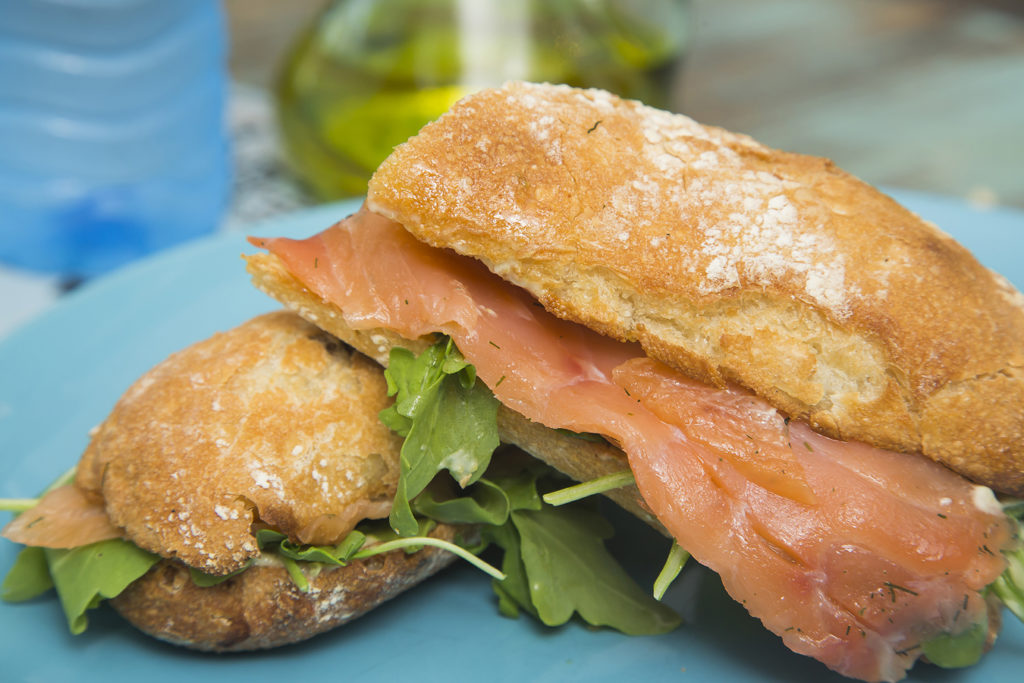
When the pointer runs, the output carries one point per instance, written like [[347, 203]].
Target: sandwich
[[812, 391], [197, 497], [236, 498]]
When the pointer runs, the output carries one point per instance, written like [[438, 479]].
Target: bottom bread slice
[[262, 607]]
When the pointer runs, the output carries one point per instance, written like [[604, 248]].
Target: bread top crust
[[730, 261], [273, 421]]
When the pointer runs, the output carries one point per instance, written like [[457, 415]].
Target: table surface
[[918, 94]]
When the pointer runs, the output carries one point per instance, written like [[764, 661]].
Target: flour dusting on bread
[[294, 444]]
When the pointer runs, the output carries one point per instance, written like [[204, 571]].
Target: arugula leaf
[[340, 554], [29, 576], [273, 541], [514, 592], [555, 562], [570, 570], [521, 486], [414, 544], [481, 503], [1014, 508], [449, 422], [84, 576], [960, 650], [18, 505], [1009, 586], [413, 379], [516, 478], [590, 488], [204, 580], [269, 538], [358, 544], [378, 532], [674, 564], [295, 572]]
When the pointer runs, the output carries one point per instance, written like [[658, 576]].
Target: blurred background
[[919, 94], [914, 94]]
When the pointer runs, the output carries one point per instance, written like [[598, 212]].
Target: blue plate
[[60, 375]]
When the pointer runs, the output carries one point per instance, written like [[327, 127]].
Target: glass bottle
[[113, 141], [368, 74]]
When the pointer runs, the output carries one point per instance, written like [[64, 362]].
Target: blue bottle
[[112, 130]]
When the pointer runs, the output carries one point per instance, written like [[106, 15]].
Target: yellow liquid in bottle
[[370, 73]]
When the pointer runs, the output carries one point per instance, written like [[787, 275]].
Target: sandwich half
[[196, 498], [814, 390]]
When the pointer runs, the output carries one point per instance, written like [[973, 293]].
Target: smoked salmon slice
[[63, 518], [853, 555]]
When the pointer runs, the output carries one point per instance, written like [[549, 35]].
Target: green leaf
[[483, 503], [514, 592], [585, 489], [350, 545], [295, 572], [18, 504], [406, 377], [357, 544], [28, 578], [339, 554], [674, 564], [86, 575], [379, 532], [555, 562], [269, 538], [1009, 587], [30, 575], [1014, 508], [521, 487], [456, 431], [960, 650], [570, 571], [414, 544], [414, 379], [204, 580], [275, 542], [448, 419], [454, 362]]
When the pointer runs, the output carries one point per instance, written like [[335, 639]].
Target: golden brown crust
[[730, 261], [579, 459], [262, 607], [272, 421]]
